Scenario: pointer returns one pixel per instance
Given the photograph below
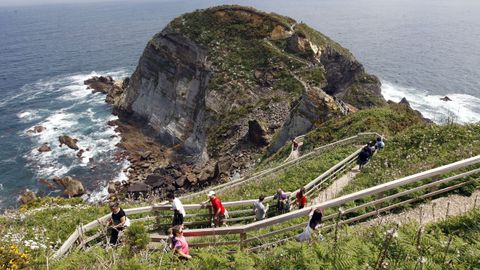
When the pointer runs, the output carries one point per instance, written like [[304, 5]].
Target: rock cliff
[[224, 84]]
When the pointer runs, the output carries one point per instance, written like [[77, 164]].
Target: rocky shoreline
[[202, 109]]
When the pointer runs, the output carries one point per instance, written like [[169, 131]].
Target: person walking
[[178, 209], [363, 156], [282, 201], [379, 144], [301, 198], [180, 244], [260, 209], [219, 212], [315, 219], [117, 222]]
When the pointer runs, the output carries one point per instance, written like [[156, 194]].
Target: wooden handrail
[[256, 175], [163, 206], [338, 201]]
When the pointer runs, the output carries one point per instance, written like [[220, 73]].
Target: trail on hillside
[[336, 187], [432, 211]]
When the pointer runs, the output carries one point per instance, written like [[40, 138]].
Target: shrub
[[12, 258], [137, 237]]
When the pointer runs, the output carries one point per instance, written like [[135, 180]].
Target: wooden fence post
[[448, 210], [243, 237], [337, 224]]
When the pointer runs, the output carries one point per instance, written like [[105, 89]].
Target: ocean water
[[421, 50]]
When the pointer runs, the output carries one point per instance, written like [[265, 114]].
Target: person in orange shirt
[[301, 198]]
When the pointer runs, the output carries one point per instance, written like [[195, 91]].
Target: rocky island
[[218, 88]]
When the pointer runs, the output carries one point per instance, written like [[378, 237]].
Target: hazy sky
[[44, 2]]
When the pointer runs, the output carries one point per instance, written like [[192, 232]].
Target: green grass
[[387, 120], [415, 150], [314, 76], [419, 149], [289, 179], [49, 221], [354, 250]]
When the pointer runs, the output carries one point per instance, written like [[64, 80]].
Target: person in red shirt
[[219, 212], [301, 198]]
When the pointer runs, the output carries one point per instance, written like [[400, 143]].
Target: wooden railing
[[284, 165], [82, 230], [243, 230]]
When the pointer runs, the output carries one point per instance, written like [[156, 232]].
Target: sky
[[13, 3]]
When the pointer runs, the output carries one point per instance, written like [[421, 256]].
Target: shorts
[[177, 218]]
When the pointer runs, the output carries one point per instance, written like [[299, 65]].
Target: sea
[[421, 50]]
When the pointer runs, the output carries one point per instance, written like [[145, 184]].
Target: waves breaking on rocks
[[62, 105], [462, 108]]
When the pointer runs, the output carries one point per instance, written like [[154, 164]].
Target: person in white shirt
[[260, 209], [178, 210]]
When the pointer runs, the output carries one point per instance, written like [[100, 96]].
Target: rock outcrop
[[44, 148], [220, 85], [27, 196], [72, 187], [68, 141], [106, 85], [36, 129]]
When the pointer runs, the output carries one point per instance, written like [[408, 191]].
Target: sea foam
[[463, 108]]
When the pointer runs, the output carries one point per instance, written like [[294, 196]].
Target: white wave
[[463, 108], [29, 115]]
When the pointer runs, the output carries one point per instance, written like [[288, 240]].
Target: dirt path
[[336, 187], [431, 211]]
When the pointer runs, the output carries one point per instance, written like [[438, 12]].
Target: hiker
[[219, 212], [179, 243], [282, 201], [295, 144], [364, 156], [178, 210], [379, 144], [301, 198], [315, 219], [117, 222], [260, 209]]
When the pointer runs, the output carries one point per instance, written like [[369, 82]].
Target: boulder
[[155, 180], [445, 98], [72, 187], [112, 188], [145, 155], [80, 153], [36, 129], [192, 178], [27, 196], [138, 187], [44, 148], [68, 141], [179, 182]]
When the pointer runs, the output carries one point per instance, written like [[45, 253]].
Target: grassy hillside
[[451, 244], [419, 149]]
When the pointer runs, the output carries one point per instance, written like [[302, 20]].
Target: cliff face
[[225, 83], [168, 91]]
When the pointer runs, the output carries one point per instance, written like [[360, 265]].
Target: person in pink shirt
[[179, 243]]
